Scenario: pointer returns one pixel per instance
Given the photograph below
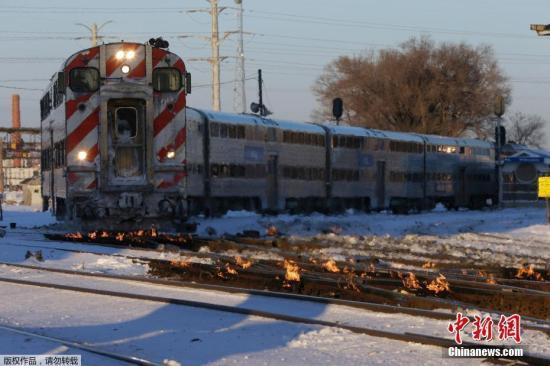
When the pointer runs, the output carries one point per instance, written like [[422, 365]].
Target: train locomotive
[[122, 150]]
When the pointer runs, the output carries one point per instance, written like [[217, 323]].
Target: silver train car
[[254, 163]]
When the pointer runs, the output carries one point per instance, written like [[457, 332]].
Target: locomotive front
[[124, 141]]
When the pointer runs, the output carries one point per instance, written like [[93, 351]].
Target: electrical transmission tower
[[94, 30], [215, 59], [239, 91]]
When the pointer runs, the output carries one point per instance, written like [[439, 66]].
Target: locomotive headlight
[[171, 154], [82, 155], [125, 69], [130, 55], [119, 55]]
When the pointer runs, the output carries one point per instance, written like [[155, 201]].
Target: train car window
[[271, 134], [126, 122], [223, 130], [334, 141], [84, 79], [214, 170], [231, 132], [166, 79], [348, 142], [285, 136], [240, 132], [214, 129], [307, 139], [249, 132]]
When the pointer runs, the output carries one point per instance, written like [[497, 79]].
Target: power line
[[19, 88]]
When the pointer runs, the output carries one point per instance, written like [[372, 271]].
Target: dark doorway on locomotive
[[272, 182], [126, 141], [381, 184]]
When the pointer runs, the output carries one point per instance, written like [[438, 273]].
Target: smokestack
[[16, 123]]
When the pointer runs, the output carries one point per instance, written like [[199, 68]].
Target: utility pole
[[94, 30], [215, 43], [239, 91], [260, 94]]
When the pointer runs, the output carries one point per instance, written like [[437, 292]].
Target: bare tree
[[446, 89], [526, 129]]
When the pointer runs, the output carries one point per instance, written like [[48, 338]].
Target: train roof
[[439, 140], [369, 132], [252, 119]]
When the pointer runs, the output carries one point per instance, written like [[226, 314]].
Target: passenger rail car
[[121, 150], [249, 162]]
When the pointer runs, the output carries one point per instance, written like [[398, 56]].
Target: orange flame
[[292, 270], [491, 279], [272, 231], [230, 269], [331, 266], [411, 282], [438, 285], [92, 235], [528, 271], [119, 236], [76, 236], [243, 263], [154, 232], [180, 263], [428, 264]]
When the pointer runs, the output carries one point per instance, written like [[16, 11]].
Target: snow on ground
[[193, 336], [26, 216], [506, 237]]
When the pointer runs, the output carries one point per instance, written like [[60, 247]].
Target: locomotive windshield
[[126, 123], [84, 79], [166, 79]]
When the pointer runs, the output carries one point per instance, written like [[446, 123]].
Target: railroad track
[[377, 288], [534, 359], [536, 324], [132, 360]]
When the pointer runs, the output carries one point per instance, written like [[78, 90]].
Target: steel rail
[[543, 325], [115, 356], [534, 359], [470, 285], [232, 239]]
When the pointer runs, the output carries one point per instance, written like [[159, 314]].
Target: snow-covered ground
[[194, 336]]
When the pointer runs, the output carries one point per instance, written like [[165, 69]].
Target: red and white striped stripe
[[82, 118], [169, 130]]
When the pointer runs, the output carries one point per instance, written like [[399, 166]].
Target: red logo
[[508, 327]]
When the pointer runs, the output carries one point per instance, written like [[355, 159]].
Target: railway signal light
[[337, 108]]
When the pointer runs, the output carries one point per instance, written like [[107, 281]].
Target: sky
[[291, 41]]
